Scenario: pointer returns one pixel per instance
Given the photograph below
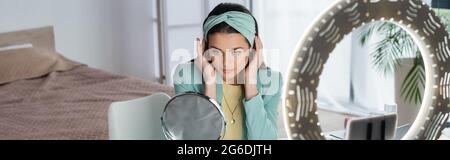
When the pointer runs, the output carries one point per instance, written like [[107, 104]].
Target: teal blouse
[[261, 112]]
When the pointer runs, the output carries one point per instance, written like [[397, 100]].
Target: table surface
[[340, 135]]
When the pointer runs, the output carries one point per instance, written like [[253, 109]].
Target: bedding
[[45, 96], [24, 63], [69, 105], [42, 37]]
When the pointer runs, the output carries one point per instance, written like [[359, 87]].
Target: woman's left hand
[[251, 72]]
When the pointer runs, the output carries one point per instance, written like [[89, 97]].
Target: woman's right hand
[[207, 69]]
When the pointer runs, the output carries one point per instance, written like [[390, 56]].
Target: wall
[[113, 35], [283, 24]]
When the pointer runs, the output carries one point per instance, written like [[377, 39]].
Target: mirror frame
[[330, 27]]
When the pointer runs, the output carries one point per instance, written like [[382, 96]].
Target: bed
[[67, 103]]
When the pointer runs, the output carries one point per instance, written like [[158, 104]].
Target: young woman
[[231, 71]]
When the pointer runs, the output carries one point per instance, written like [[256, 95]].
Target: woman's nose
[[229, 61]]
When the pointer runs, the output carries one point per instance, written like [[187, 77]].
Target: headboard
[[38, 37]]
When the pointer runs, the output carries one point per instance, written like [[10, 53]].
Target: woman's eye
[[238, 52], [214, 52], [217, 53]]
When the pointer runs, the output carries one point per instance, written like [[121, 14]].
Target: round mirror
[[192, 116]]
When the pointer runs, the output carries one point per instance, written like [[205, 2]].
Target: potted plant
[[393, 48]]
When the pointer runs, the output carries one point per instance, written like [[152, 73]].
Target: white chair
[[138, 119]]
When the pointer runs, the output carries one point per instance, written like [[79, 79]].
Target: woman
[[232, 73]]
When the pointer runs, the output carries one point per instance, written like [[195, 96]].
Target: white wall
[[282, 25], [113, 35], [138, 36], [372, 88]]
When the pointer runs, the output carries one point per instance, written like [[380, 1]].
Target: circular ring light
[[311, 53]]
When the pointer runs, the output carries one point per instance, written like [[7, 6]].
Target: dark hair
[[224, 27]]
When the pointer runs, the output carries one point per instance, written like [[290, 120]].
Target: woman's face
[[231, 56]]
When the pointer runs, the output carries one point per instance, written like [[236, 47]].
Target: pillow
[[38, 37], [19, 46], [26, 63]]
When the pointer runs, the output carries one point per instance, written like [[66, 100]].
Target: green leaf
[[393, 44], [411, 88]]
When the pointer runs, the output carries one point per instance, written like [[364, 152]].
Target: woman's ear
[[205, 45], [254, 42], [258, 43]]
